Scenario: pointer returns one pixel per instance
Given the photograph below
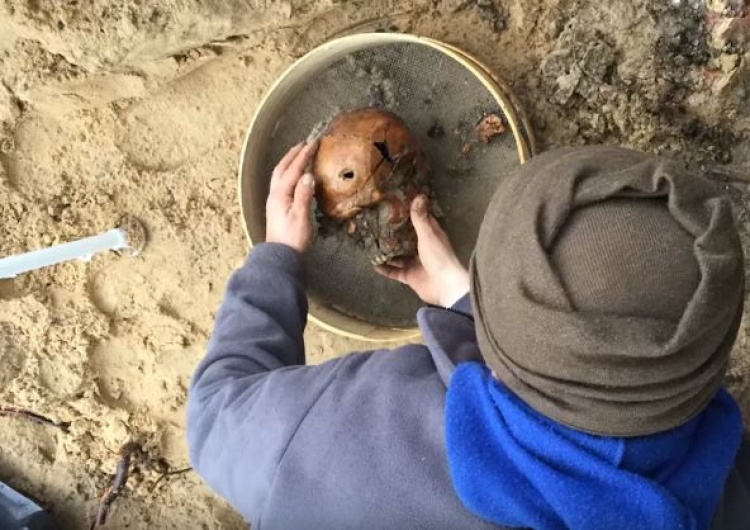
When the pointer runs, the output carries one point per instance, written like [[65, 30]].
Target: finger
[[287, 181], [438, 230], [426, 226], [287, 159], [398, 263], [419, 207], [300, 163], [393, 273], [303, 194], [420, 217]]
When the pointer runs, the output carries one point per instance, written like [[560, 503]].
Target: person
[[572, 378]]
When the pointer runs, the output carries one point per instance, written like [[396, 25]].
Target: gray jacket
[[354, 443]]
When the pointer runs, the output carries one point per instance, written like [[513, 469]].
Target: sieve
[[441, 92]]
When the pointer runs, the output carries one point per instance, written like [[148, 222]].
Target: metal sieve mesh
[[441, 101]]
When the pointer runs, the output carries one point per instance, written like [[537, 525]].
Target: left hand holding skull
[[436, 274], [290, 198]]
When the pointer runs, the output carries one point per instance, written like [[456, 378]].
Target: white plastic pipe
[[83, 249]]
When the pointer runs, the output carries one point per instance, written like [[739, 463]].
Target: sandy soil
[[124, 106]]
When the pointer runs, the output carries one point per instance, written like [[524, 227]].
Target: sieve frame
[[313, 63]]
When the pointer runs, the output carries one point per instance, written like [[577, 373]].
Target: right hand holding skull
[[436, 274]]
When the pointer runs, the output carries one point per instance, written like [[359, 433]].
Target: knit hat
[[626, 257], [607, 287]]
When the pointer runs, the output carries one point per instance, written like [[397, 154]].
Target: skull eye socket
[[347, 174]]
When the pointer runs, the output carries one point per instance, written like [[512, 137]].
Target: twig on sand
[[111, 494], [15, 412], [169, 474]]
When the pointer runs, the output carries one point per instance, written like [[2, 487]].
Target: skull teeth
[[380, 259]]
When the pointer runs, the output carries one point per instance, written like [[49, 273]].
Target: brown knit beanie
[[627, 257], [607, 288]]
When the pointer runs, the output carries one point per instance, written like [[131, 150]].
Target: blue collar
[[513, 466]]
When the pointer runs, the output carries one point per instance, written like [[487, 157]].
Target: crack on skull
[[382, 147], [385, 154], [393, 161]]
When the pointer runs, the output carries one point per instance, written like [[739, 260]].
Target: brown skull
[[368, 169]]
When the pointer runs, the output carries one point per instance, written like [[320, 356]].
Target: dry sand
[[124, 106]]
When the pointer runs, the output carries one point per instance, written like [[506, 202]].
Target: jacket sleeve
[[251, 391], [463, 305]]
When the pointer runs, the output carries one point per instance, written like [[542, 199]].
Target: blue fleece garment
[[515, 467]]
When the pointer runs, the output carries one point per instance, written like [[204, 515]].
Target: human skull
[[368, 169]]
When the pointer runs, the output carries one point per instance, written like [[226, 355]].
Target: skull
[[368, 169]]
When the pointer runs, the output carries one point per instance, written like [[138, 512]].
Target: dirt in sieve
[[121, 106]]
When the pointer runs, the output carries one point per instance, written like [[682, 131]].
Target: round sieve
[[441, 93]]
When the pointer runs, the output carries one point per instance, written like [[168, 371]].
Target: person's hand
[[290, 198], [436, 274]]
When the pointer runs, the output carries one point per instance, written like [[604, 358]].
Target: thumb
[[303, 193], [427, 228], [420, 217]]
